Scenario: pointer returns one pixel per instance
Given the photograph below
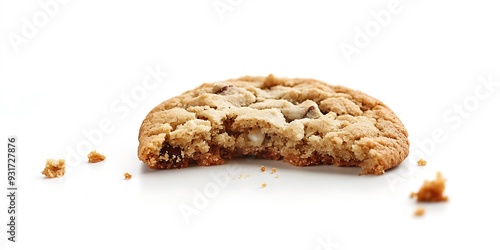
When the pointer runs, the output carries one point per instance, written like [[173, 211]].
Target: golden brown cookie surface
[[302, 121]]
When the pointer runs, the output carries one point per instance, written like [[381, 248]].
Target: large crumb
[[419, 211], [431, 191], [273, 170], [127, 176], [263, 169], [95, 157], [54, 168], [421, 162]]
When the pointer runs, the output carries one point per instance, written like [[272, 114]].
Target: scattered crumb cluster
[[95, 157], [273, 171], [57, 168], [54, 168], [430, 191]]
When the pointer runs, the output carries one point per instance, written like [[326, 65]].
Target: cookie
[[301, 121]]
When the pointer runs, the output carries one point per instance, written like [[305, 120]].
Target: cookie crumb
[[264, 185], [277, 176], [54, 168], [273, 170], [421, 162], [431, 191], [419, 211], [127, 176], [95, 157], [263, 169]]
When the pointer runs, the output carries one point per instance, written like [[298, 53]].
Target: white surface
[[74, 73]]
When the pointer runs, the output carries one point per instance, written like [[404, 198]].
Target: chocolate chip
[[174, 154]]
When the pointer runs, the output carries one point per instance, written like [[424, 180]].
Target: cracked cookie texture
[[300, 121]]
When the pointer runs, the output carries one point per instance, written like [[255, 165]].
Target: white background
[[77, 69]]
